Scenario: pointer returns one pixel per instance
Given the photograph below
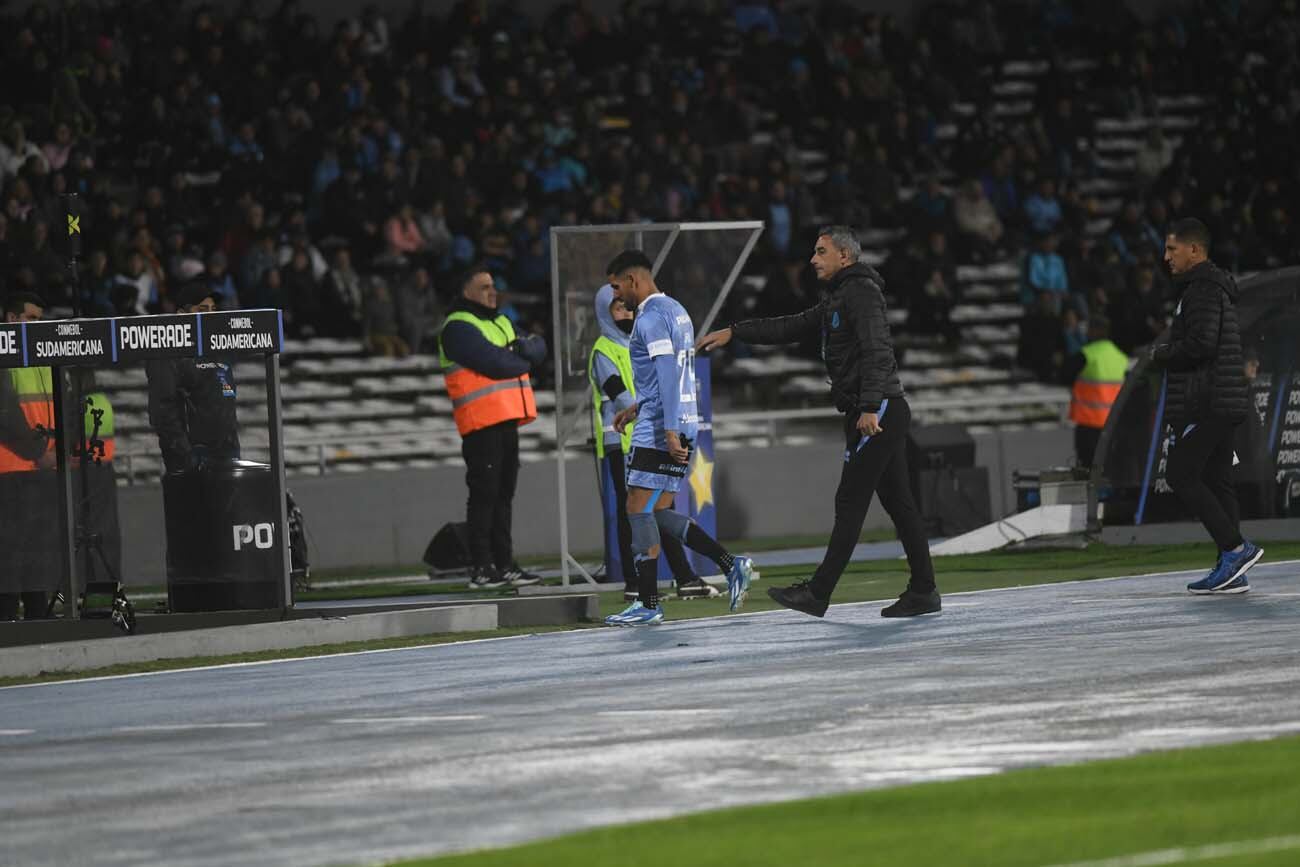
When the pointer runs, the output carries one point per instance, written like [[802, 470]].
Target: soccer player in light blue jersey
[[663, 369]]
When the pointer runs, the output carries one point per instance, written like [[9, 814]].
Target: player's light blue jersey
[[663, 335]]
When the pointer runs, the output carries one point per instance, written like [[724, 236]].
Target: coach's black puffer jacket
[[856, 345], [1207, 375]]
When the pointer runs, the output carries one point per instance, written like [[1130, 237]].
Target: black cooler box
[[224, 539]]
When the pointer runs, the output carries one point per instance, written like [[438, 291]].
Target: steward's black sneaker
[[696, 588], [485, 578], [910, 604], [799, 596], [515, 576]]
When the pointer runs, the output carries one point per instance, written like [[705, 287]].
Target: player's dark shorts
[[655, 469]]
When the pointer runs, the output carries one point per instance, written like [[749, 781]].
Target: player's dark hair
[[16, 302], [627, 260], [1190, 230]]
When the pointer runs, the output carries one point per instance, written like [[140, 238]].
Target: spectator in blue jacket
[[1045, 274], [1043, 209]]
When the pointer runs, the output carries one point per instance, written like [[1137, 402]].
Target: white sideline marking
[[73, 681], [386, 720], [185, 727], [10, 733], [666, 711], [1189, 854]]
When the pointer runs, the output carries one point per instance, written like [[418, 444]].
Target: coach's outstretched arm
[[777, 329]]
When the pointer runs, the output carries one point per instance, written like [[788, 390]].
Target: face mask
[[624, 325]]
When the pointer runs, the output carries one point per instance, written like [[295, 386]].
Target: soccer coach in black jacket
[[1205, 399], [859, 356]]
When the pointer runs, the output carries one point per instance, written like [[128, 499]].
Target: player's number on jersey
[[685, 369]]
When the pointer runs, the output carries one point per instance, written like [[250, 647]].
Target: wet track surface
[[363, 758]]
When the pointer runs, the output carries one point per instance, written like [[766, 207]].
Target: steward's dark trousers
[[1085, 443], [872, 465], [491, 472], [1200, 472]]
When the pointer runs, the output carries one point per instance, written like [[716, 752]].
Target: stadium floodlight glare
[[696, 263]]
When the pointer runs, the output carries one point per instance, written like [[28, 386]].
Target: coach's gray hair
[[843, 237]]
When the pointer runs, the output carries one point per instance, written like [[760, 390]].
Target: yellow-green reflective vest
[[622, 359]]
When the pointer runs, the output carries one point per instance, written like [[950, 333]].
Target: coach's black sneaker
[[695, 588], [485, 578], [516, 576], [910, 604], [631, 593], [800, 597]]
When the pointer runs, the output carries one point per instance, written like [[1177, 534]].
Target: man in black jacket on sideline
[[1205, 399], [859, 356], [192, 400]]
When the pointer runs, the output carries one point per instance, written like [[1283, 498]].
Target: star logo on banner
[[702, 481]]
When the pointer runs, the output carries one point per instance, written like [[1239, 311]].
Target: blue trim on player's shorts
[[653, 481]]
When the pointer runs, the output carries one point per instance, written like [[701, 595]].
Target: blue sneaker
[[641, 616], [617, 619], [742, 572], [1229, 574], [1236, 585]]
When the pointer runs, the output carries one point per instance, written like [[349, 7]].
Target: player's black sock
[[698, 540], [648, 570]]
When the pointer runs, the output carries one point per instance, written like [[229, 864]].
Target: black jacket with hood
[[855, 341], [1206, 368], [192, 404]]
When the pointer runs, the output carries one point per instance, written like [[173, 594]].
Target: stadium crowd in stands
[[343, 170]]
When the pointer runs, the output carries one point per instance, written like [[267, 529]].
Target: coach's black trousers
[[876, 465], [491, 472], [1200, 472]]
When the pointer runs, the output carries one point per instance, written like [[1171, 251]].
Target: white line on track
[[1191, 854], [723, 617], [12, 733], [399, 720], [665, 711], [185, 727]]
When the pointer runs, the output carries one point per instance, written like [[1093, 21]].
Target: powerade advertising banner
[[1266, 447], [101, 342]]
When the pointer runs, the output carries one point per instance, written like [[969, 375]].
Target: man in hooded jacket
[[863, 373], [610, 371], [1205, 399]]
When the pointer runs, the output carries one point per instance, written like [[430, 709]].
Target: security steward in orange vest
[[485, 365], [27, 486], [1098, 373]]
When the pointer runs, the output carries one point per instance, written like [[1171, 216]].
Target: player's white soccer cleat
[[742, 572]]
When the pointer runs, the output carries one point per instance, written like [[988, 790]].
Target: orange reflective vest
[[1098, 384], [479, 401], [34, 389]]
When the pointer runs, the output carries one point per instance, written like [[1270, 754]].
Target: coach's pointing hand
[[713, 340]]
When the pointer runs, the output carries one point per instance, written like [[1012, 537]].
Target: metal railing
[[772, 420]]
